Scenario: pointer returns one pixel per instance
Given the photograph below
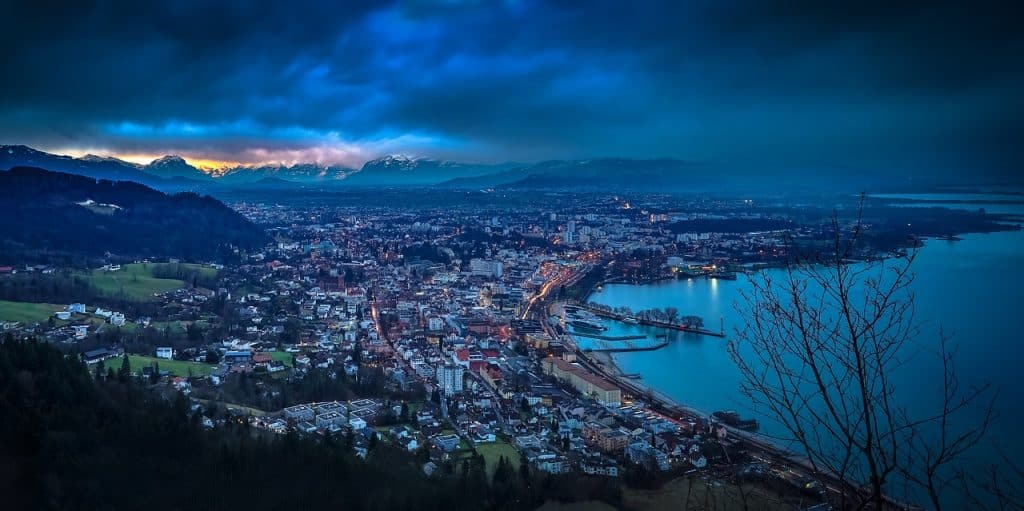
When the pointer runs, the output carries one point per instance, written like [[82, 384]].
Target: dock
[[629, 346], [608, 337]]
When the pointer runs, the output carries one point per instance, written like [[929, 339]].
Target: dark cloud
[[926, 86]]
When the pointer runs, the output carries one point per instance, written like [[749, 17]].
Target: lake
[[972, 289]]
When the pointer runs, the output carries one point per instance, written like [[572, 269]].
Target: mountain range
[[173, 173]]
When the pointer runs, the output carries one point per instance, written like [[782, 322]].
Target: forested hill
[[98, 438], [50, 216]]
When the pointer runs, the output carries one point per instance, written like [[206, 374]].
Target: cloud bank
[[915, 87]]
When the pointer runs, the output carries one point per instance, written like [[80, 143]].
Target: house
[[165, 352], [554, 465], [261, 359], [643, 453], [357, 423], [408, 442], [447, 443], [98, 354], [492, 374], [237, 357], [600, 465]]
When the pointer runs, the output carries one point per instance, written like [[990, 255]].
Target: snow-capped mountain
[[299, 173], [398, 170], [92, 166], [173, 166]]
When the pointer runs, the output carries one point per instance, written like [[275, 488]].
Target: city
[[461, 255]]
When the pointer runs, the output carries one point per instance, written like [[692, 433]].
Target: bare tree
[[671, 314], [818, 353]]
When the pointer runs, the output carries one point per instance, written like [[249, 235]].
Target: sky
[[876, 86]]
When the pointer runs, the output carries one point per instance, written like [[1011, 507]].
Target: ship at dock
[[583, 321], [732, 418], [587, 326]]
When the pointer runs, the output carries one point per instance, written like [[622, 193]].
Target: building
[[492, 374], [643, 453], [446, 443], [585, 382], [326, 420], [165, 352], [96, 355], [598, 465], [435, 324], [604, 438], [486, 268], [238, 357], [299, 413], [449, 379]]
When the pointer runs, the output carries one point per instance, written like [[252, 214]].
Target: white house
[[165, 352]]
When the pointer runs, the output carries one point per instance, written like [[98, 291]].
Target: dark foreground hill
[[78, 437], [51, 216]]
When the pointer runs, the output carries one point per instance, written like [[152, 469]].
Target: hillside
[[54, 216], [397, 170]]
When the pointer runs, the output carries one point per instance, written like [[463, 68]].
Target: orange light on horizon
[[209, 166]]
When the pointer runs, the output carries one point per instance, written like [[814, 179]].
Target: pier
[[608, 337], [626, 346]]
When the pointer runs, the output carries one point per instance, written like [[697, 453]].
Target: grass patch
[[25, 312], [696, 493], [136, 281], [132, 281], [175, 327], [282, 356], [590, 505], [175, 367], [247, 410], [493, 451]]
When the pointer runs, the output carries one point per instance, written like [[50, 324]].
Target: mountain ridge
[[65, 217]]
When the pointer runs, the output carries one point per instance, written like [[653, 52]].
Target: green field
[[282, 356], [176, 367], [24, 312], [136, 281], [492, 452]]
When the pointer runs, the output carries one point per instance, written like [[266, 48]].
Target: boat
[[631, 321], [587, 326], [731, 418]]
